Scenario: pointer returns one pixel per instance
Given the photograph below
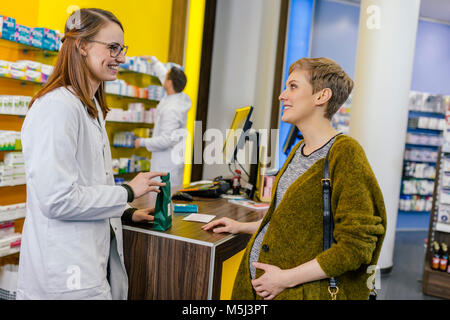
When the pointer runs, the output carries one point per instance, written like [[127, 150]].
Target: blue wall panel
[[297, 47]]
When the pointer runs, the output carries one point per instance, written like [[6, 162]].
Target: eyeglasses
[[114, 48]]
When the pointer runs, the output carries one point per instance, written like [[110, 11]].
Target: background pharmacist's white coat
[[169, 134], [72, 204]]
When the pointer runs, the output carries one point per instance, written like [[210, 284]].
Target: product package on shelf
[[444, 213], [341, 120], [26, 70], [424, 139], [8, 282], [426, 123], [419, 170], [421, 155], [12, 170], [43, 38], [130, 165], [9, 240], [414, 203], [136, 113], [10, 244], [10, 140], [8, 28], [418, 187], [137, 64], [126, 139], [6, 229], [12, 212], [122, 88], [426, 102], [22, 34], [14, 105]]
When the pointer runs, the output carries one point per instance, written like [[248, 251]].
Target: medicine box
[[22, 34], [8, 28], [185, 208]]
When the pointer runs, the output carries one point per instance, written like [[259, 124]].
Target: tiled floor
[[404, 282]]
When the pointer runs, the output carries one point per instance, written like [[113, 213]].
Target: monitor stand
[[254, 167]]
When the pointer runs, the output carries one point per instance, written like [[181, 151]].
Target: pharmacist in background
[[168, 141]]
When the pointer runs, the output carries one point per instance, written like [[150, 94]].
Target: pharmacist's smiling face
[[297, 98], [100, 63]]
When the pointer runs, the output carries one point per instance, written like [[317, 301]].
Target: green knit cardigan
[[295, 233]]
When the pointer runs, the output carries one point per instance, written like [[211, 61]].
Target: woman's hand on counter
[[223, 225], [232, 226], [142, 215]]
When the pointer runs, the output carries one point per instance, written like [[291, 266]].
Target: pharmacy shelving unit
[[137, 79], [410, 214], [437, 283], [12, 51]]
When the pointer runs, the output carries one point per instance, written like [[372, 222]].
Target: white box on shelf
[[8, 281], [444, 215], [443, 227], [444, 197]]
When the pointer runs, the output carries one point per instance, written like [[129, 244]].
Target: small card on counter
[[199, 217]]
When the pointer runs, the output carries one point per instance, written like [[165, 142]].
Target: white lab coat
[[71, 203], [169, 133]]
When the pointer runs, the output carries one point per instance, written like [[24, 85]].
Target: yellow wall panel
[[192, 68], [25, 13], [146, 23], [229, 271]]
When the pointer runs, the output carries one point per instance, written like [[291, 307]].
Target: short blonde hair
[[326, 73]]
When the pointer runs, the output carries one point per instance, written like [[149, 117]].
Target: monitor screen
[[236, 134]]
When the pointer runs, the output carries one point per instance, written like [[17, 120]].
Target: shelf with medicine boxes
[[27, 71], [24, 68], [341, 120], [125, 169], [12, 170], [25, 49], [131, 98], [424, 136], [436, 276], [17, 36], [153, 77]]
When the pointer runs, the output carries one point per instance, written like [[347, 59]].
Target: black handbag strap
[[328, 225], [328, 228]]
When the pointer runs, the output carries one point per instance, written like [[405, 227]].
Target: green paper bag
[[163, 207]]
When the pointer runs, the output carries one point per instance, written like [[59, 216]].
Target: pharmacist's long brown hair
[[71, 68]]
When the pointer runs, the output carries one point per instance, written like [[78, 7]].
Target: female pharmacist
[[167, 144], [285, 258], [72, 238]]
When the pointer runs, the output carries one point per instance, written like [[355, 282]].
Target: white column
[[379, 117]]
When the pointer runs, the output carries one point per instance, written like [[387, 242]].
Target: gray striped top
[[299, 164]]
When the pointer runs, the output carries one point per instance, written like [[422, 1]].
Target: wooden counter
[[183, 262]]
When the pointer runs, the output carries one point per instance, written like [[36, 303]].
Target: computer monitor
[[241, 121], [293, 136]]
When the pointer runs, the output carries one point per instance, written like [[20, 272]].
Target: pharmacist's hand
[[143, 183], [152, 59], [144, 215], [137, 143], [223, 225], [271, 283]]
